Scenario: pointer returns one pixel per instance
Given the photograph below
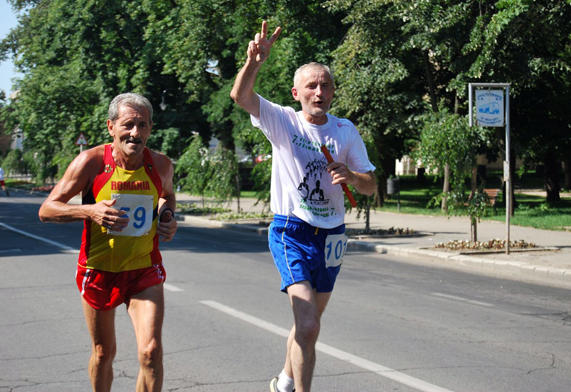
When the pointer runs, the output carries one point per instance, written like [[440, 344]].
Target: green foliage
[[13, 162], [198, 171], [447, 139], [526, 43], [61, 161], [223, 182], [75, 57], [474, 205], [394, 62], [165, 140], [555, 216], [261, 174], [193, 168]]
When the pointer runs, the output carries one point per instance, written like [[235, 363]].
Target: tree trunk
[[430, 82], [473, 190], [367, 216], [379, 198], [473, 229], [381, 190], [551, 177], [474, 180], [445, 188], [567, 173]]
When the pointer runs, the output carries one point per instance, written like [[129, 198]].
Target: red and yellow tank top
[[137, 193]]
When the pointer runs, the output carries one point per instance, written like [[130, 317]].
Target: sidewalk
[[550, 264]]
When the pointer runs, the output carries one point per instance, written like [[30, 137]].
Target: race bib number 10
[[139, 210], [335, 247]]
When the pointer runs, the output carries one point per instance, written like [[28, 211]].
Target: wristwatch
[[167, 209]]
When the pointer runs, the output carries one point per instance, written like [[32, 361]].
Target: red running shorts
[[105, 290]]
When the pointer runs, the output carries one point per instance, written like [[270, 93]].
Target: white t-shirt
[[1, 174], [301, 185]]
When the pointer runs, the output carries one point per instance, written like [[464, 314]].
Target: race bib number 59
[[335, 247], [139, 210]]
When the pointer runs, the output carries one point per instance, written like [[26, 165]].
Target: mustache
[[134, 140]]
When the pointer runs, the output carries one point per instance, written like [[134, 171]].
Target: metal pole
[[470, 114], [508, 174], [507, 169]]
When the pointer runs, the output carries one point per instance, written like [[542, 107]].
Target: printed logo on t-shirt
[[313, 199], [310, 187], [305, 143]]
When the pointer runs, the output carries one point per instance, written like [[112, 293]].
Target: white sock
[[285, 382]]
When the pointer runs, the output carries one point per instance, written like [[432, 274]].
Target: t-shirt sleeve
[[273, 120], [358, 159]]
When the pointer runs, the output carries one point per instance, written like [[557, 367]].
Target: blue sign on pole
[[490, 108], [490, 113]]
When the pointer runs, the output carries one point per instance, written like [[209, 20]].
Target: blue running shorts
[[304, 252]]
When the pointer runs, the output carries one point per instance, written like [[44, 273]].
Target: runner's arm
[[258, 51], [243, 90], [77, 177], [364, 183], [167, 225]]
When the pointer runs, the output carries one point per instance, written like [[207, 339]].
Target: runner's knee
[[307, 330], [104, 354], [150, 355]]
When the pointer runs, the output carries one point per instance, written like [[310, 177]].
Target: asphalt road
[[390, 326]]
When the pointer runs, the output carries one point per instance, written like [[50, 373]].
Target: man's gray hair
[[307, 66], [133, 100]]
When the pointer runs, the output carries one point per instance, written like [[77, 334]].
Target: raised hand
[[259, 48]]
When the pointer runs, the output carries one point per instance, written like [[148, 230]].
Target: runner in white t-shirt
[[301, 185], [307, 237]]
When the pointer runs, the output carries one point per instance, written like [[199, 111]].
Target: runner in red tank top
[[127, 205]]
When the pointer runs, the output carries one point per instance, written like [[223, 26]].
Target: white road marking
[[63, 247], [172, 287], [15, 250], [363, 363], [461, 299], [66, 248], [246, 317]]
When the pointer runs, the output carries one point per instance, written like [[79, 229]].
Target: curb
[[512, 269], [186, 219]]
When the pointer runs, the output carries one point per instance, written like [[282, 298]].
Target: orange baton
[[343, 185]]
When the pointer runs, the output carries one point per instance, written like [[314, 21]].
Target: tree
[[224, 181], [446, 140], [193, 168], [526, 43], [397, 61], [393, 61], [75, 57]]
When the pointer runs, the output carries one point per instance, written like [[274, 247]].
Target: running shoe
[[274, 385]]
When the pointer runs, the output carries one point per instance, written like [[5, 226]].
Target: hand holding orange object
[[343, 185]]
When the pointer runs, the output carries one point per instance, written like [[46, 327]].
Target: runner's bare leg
[[307, 306], [101, 326], [147, 312]]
